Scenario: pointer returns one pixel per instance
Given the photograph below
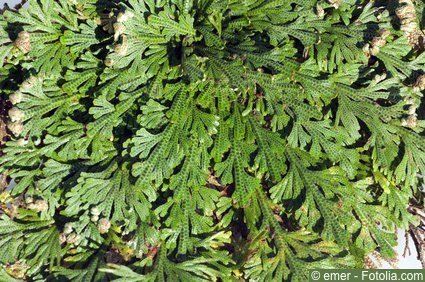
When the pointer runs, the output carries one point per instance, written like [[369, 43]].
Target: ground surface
[[3, 136]]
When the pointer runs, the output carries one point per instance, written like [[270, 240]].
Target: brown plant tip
[[103, 225], [15, 127], [420, 83], [335, 3], [38, 205], [23, 42], [16, 97], [16, 115], [409, 24]]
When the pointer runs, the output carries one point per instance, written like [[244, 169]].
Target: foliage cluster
[[196, 140]]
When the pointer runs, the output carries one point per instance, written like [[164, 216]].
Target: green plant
[[191, 140]]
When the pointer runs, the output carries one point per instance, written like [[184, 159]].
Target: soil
[[4, 107]]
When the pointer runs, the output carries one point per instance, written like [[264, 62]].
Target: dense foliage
[[196, 140]]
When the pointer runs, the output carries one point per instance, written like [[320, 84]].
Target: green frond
[[208, 140], [33, 239]]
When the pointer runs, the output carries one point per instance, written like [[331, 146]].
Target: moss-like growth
[[198, 140]]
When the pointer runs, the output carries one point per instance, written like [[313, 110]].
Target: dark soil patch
[[4, 107]]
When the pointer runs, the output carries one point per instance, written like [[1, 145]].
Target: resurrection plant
[[205, 140]]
